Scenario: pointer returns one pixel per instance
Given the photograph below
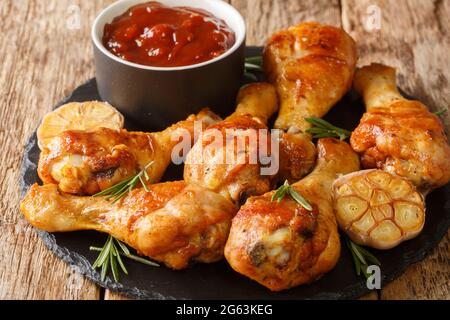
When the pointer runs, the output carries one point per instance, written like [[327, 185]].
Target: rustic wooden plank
[[44, 56], [111, 295], [429, 279], [264, 17], [414, 36]]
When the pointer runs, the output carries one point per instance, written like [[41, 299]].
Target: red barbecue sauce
[[156, 35]]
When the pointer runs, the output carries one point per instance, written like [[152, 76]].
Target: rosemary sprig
[[253, 65], [110, 257], [441, 112], [119, 190], [361, 258], [287, 189], [323, 129]]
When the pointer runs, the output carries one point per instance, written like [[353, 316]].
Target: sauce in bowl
[[156, 35]]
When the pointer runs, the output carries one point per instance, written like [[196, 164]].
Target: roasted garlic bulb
[[378, 209]]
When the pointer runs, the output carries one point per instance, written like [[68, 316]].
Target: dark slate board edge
[[81, 265], [69, 97]]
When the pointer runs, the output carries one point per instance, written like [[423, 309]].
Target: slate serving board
[[218, 280]]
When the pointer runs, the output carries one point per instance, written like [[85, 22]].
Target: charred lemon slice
[[87, 116], [378, 209]]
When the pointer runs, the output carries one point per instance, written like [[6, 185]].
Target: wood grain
[[110, 295], [429, 279], [45, 56], [42, 61], [264, 17], [414, 36]]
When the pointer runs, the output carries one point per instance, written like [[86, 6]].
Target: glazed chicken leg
[[397, 135], [312, 67], [281, 244], [84, 163], [226, 157], [172, 223]]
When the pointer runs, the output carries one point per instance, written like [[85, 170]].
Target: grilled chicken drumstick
[[397, 135], [226, 157], [312, 67], [282, 244], [86, 162], [174, 223]]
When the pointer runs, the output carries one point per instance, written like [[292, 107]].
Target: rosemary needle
[[252, 66], [110, 256], [131, 257], [323, 129], [119, 190], [441, 112], [254, 60], [361, 258], [286, 189], [250, 76]]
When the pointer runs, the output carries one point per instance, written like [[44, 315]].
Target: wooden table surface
[[45, 52]]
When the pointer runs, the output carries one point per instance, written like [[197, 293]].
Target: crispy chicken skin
[[84, 163], [297, 156], [398, 135], [283, 245], [219, 162], [174, 223], [311, 66]]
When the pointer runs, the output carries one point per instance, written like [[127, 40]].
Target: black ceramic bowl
[[155, 96]]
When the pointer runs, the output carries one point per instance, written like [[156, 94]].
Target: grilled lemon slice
[[87, 116], [378, 209]]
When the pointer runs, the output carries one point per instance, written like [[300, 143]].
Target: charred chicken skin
[[312, 67], [283, 245], [226, 157], [86, 162], [174, 223], [397, 135]]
